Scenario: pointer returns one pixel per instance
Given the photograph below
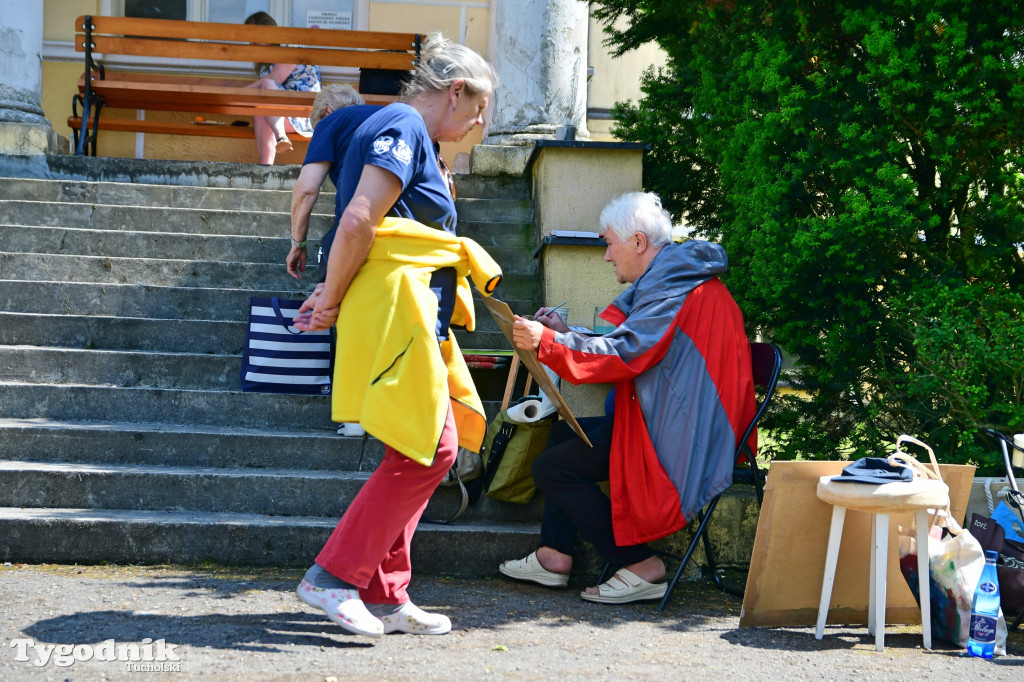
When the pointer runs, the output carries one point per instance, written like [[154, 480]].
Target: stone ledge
[[493, 159]]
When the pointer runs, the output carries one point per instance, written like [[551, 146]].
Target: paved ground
[[246, 624]]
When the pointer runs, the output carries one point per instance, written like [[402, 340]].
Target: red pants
[[370, 546]]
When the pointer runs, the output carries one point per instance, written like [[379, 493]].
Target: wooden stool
[[915, 496]]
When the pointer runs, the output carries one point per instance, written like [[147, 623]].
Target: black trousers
[[568, 473]]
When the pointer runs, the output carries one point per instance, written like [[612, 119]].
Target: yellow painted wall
[[59, 80], [59, 17], [615, 79], [571, 185]]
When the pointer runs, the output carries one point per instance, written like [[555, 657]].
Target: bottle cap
[[991, 556]]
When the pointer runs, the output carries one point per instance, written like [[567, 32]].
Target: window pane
[[233, 11], [323, 13], [156, 9]]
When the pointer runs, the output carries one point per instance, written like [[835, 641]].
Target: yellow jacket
[[390, 374]]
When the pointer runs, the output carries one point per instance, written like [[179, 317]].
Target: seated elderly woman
[[680, 361]]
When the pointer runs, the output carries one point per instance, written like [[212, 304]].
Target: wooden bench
[[380, 58]]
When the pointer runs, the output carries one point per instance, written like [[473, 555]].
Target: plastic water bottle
[[985, 611]]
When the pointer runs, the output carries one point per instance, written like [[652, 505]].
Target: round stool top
[[902, 496]]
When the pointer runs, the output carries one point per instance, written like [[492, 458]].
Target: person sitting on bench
[[272, 131], [684, 392]]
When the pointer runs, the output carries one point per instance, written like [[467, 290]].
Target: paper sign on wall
[[316, 18]]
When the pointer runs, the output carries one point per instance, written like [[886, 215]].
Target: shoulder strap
[[453, 474], [497, 451]]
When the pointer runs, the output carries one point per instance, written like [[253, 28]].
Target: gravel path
[[246, 624]]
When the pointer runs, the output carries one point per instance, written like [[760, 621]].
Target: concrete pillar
[[24, 131], [539, 50]]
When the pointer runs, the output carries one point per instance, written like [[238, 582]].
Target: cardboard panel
[[505, 318], [788, 561]]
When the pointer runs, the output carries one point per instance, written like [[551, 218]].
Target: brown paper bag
[[788, 561]]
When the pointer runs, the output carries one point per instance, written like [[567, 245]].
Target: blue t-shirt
[[395, 138], [331, 138]]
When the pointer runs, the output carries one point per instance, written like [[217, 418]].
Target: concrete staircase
[[124, 437]]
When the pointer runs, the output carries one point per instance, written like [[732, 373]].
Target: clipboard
[[505, 318]]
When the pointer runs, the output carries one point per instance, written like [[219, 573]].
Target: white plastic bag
[[955, 561]]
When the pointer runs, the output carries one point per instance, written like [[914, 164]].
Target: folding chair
[[766, 361]]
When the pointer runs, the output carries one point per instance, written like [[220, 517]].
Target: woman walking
[[396, 273]]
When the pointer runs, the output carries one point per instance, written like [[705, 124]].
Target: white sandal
[[625, 587], [529, 568]]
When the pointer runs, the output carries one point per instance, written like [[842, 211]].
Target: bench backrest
[[172, 39]]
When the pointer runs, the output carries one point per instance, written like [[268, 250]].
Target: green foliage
[[859, 161]]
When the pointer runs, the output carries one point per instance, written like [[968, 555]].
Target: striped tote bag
[[279, 358]]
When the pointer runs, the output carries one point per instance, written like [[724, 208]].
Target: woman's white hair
[[442, 62], [335, 96], [635, 212]]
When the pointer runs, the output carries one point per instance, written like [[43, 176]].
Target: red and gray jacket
[[684, 392]]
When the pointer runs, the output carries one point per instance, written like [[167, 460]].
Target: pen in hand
[[553, 308]]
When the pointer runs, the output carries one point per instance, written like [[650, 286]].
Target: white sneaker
[[342, 606], [351, 429], [413, 620]]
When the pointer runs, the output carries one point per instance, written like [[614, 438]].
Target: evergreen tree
[[861, 163]]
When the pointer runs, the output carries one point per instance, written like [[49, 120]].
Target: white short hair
[[635, 212]]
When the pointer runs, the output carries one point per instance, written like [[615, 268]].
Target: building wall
[[466, 21], [615, 79]]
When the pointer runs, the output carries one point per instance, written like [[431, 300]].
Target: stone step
[[137, 300], [504, 241], [139, 537], [170, 196], [155, 219], [156, 444], [165, 271], [165, 172], [202, 408], [168, 335], [122, 333], [168, 406], [522, 291], [496, 210], [150, 369], [156, 272], [167, 302], [276, 492], [130, 244], [489, 233], [193, 371], [493, 187], [231, 175], [495, 201]]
